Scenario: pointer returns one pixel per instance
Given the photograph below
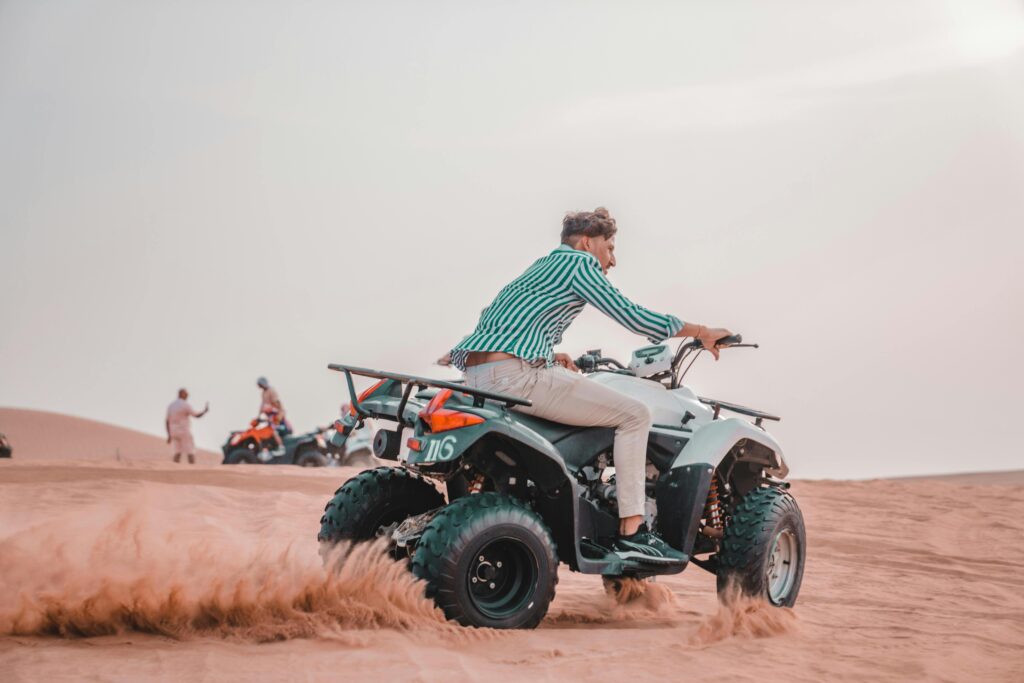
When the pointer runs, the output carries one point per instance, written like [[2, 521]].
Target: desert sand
[[139, 569], [39, 435]]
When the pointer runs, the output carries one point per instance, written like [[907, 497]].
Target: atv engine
[[599, 483]]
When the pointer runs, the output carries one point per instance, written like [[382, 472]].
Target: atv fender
[[546, 467], [562, 506], [683, 490], [544, 461], [680, 495], [713, 441]]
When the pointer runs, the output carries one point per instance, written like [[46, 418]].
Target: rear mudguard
[[568, 515], [453, 444]]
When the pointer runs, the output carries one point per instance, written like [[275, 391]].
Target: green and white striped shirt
[[529, 316]]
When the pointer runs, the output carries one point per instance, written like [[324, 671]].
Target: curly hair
[[590, 223]]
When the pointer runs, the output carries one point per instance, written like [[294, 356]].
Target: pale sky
[[199, 193]]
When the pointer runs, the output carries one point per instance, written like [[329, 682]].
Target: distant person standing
[[179, 429], [271, 406]]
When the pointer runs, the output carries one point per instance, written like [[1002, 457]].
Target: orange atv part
[[258, 432], [443, 419]]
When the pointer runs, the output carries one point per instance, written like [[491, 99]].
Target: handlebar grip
[[586, 362], [730, 340]]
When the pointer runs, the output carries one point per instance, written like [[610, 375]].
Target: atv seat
[[578, 446]]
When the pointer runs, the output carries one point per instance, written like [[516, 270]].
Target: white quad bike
[[487, 501]]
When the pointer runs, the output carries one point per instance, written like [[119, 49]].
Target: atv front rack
[[410, 381], [719, 406]]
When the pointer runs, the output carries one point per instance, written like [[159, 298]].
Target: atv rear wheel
[[310, 457], [488, 560], [241, 455], [373, 500], [764, 547]]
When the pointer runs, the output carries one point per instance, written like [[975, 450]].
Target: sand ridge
[[141, 569]]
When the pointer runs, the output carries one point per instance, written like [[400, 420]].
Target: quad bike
[[5, 447], [312, 449], [487, 500], [307, 450]]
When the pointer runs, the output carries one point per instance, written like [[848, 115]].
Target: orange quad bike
[[312, 449], [255, 445]]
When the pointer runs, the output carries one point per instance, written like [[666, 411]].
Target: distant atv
[[357, 451], [489, 500], [253, 446], [5, 447], [312, 449]]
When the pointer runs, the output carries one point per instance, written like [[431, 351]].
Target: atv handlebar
[[730, 340], [592, 360]]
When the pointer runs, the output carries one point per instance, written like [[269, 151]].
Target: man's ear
[[583, 243]]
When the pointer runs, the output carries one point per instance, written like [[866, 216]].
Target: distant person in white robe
[[179, 427]]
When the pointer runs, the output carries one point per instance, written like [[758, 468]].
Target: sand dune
[[152, 571], [39, 435], [999, 478]]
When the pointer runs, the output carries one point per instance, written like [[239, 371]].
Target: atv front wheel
[[241, 455], [372, 501], [488, 560], [310, 457], [764, 548]]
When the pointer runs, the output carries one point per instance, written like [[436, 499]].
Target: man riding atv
[[273, 409], [622, 472], [511, 352]]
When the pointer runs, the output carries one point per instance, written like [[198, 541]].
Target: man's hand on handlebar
[[566, 361], [707, 336]]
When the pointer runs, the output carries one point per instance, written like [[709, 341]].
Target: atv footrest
[[602, 560]]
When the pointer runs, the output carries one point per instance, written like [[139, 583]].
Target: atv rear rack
[[479, 395]]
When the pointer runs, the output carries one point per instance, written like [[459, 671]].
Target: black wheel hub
[[502, 577], [486, 571]]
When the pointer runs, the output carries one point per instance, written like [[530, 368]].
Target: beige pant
[[564, 396]]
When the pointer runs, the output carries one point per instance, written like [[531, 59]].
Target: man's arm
[[202, 412], [592, 285], [167, 426]]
